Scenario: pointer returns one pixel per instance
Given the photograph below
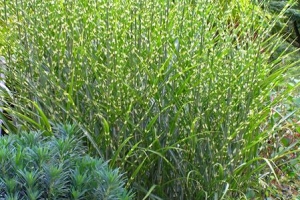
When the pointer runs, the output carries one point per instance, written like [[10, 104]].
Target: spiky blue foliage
[[57, 167]]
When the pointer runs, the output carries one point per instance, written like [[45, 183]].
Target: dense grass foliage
[[175, 93], [57, 167]]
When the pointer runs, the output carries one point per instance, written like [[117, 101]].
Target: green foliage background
[[172, 92]]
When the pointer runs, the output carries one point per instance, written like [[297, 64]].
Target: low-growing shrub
[[36, 167]]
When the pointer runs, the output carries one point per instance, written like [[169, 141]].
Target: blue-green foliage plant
[[36, 167]]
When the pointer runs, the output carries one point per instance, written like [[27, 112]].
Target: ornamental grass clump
[[57, 167], [175, 93]]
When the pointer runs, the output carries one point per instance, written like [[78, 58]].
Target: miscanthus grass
[[175, 93]]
